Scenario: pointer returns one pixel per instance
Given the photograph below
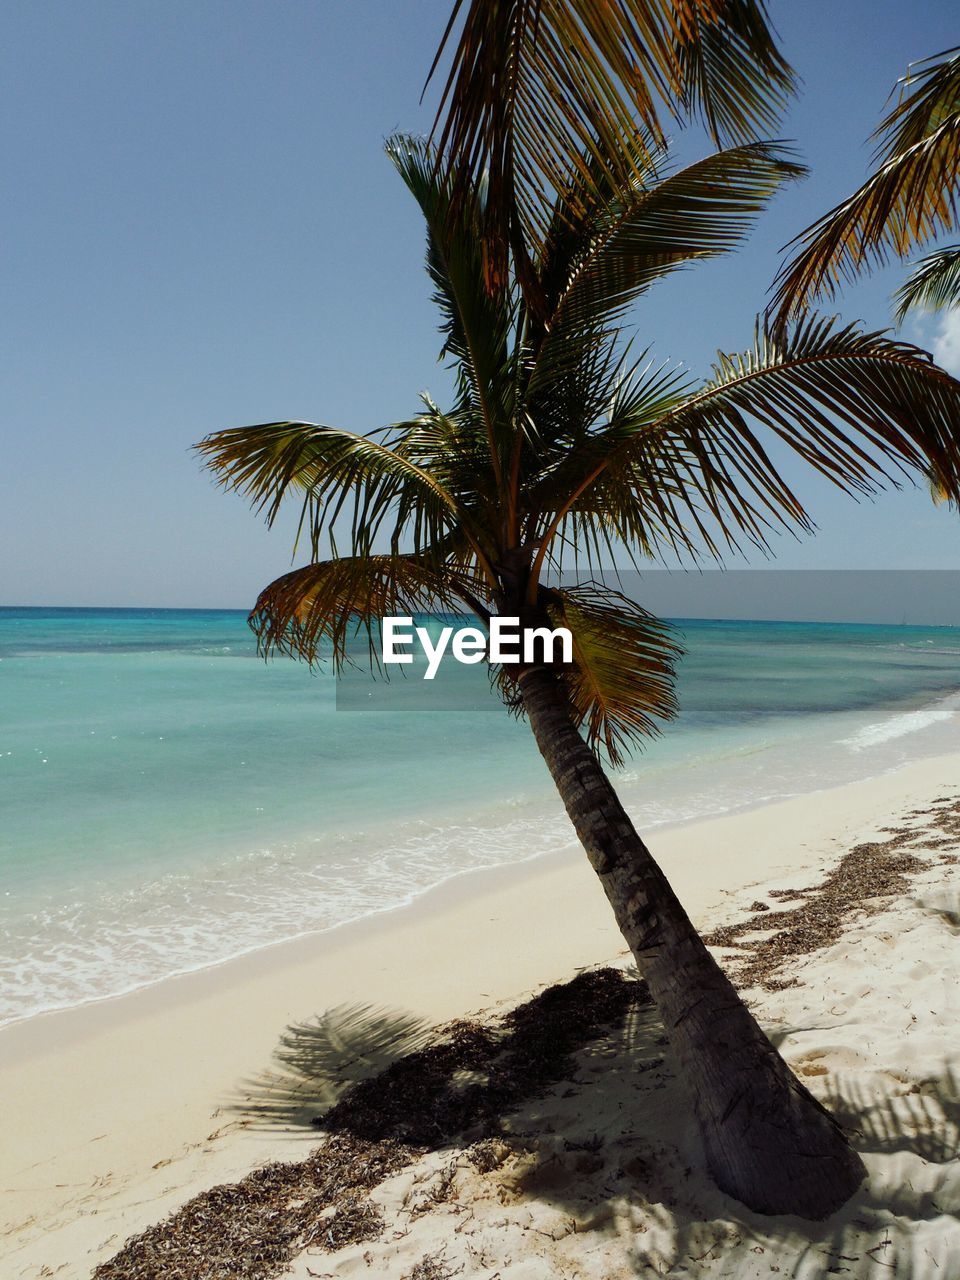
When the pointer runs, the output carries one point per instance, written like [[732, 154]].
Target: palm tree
[[909, 199], [558, 439]]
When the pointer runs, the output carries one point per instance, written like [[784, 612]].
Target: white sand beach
[[116, 1113]]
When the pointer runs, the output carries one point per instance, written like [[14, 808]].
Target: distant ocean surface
[[168, 801]]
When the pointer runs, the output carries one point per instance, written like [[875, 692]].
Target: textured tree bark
[[768, 1142]]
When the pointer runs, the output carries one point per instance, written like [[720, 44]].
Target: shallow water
[[168, 800]]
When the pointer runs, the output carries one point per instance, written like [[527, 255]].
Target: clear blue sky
[[198, 230]]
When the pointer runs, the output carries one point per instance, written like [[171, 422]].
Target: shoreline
[[123, 1107], [433, 897], [473, 874]]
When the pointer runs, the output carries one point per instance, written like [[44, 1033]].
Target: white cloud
[[946, 342]]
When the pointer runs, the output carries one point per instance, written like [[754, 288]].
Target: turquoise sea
[[169, 801]]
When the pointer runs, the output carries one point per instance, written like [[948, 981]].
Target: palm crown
[[535, 84], [560, 447]]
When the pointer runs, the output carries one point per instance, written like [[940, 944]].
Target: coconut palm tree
[[909, 199], [558, 440]]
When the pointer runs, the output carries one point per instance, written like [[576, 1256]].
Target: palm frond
[[636, 237], [861, 409], [933, 283], [938, 492], [533, 84], [622, 682], [316, 611], [598, 262], [632, 505], [329, 470], [450, 447], [909, 199], [476, 324]]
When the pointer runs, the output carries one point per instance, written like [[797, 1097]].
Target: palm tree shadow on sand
[[377, 1073], [598, 1129], [640, 1173]]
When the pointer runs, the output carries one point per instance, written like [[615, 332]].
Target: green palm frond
[[622, 681], [450, 447], [534, 84], [597, 264], [635, 237], [933, 283], [860, 408], [477, 326], [632, 505], [909, 199], [331, 470], [316, 611]]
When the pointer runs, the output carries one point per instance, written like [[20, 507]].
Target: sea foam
[[899, 726]]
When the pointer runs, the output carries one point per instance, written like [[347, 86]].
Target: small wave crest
[[907, 722]]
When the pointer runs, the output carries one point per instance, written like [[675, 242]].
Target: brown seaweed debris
[[478, 1074], [471, 1077], [251, 1229], [487, 1154], [868, 872], [433, 1266]]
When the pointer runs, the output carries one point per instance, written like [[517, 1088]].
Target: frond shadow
[[580, 1086], [626, 1160], [915, 1117], [318, 1060]]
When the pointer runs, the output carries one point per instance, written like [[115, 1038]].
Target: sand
[[116, 1113]]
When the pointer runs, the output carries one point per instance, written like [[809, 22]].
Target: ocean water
[[167, 800]]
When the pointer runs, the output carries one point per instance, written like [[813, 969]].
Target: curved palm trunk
[[768, 1142]]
